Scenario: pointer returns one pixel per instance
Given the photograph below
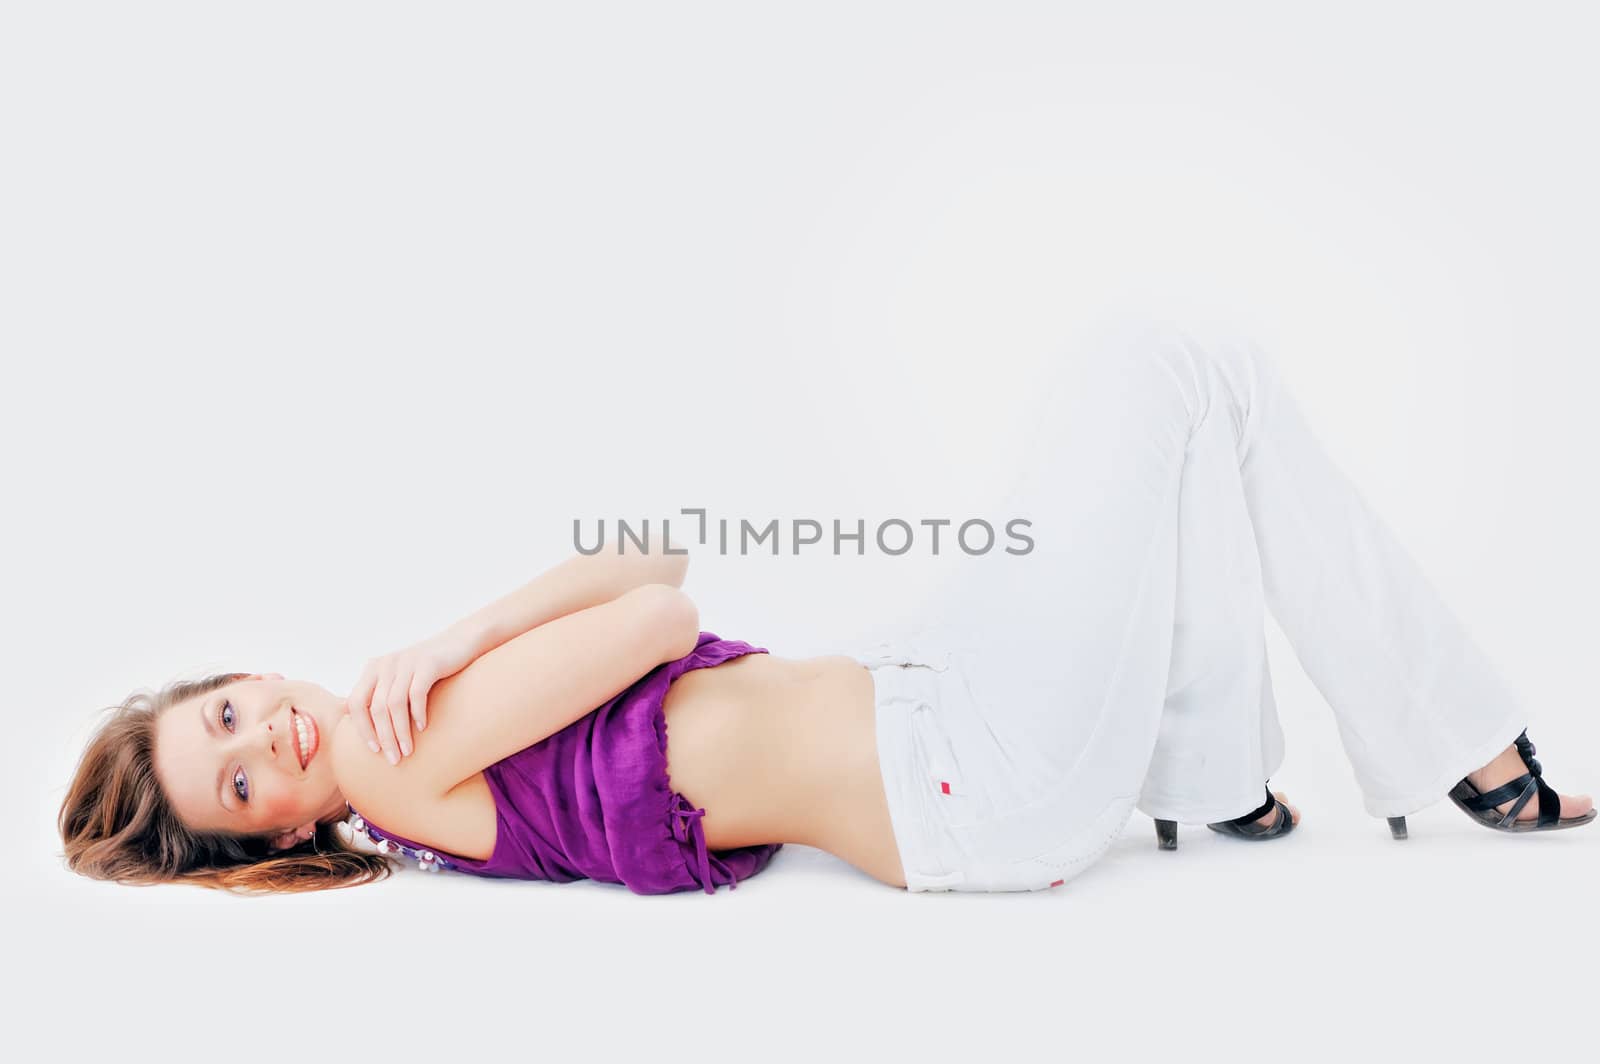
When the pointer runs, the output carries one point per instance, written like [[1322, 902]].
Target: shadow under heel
[[1167, 834]]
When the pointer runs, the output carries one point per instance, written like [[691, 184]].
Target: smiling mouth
[[306, 739]]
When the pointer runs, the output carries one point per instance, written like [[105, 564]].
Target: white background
[[321, 323]]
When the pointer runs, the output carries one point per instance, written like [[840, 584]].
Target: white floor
[[1332, 943]]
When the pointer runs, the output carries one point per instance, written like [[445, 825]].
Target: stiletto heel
[[1397, 826], [1167, 834]]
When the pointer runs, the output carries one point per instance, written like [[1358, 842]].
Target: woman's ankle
[[1506, 766]]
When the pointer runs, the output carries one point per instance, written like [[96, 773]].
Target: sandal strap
[[1519, 792], [1526, 750], [1515, 811], [1246, 825], [1260, 811], [1549, 803], [1518, 788], [1279, 825], [1549, 800]]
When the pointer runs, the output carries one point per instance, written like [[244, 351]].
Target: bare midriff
[[784, 750]]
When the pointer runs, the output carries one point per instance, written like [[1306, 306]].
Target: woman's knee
[[1241, 378]]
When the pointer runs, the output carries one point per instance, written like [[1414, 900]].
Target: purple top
[[593, 801]]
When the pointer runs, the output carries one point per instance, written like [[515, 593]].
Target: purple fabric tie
[[686, 823]]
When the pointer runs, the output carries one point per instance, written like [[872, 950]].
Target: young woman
[[1173, 493]]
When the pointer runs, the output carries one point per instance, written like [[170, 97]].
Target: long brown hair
[[117, 823]]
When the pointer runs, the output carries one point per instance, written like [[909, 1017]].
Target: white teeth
[[303, 741]]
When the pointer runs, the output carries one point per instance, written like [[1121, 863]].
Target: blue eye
[[226, 716], [241, 785]]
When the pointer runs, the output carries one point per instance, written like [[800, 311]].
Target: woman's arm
[[392, 691], [581, 581], [511, 698]]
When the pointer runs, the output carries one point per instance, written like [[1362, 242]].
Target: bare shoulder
[[462, 822]]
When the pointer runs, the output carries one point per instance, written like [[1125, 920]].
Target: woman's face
[[251, 757]]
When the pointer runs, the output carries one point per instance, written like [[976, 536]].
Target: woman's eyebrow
[[222, 768]]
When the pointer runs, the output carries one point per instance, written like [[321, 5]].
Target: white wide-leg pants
[[1174, 495]]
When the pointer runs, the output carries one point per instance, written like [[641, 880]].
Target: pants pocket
[[943, 776]]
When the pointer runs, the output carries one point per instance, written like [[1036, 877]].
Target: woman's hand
[[393, 690]]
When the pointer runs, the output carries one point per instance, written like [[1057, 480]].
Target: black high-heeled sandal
[[1244, 827], [1482, 805]]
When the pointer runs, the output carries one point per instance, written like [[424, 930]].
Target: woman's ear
[[285, 839]]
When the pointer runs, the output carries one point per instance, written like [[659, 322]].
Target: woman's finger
[[419, 699], [400, 710], [358, 707], [380, 719]]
